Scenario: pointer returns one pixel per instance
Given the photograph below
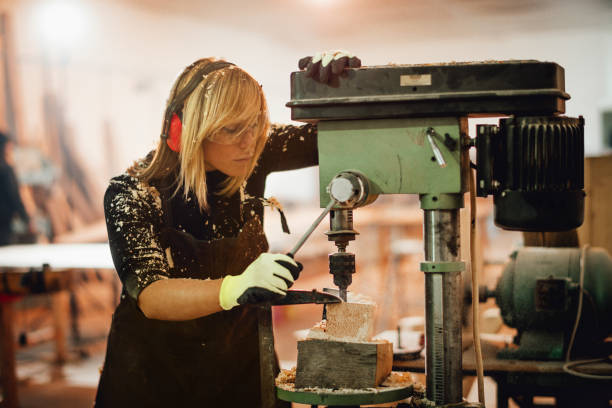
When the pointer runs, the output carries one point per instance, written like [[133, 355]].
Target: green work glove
[[265, 279]]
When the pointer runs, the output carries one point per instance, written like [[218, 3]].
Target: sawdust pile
[[398, 379], [286, 381]]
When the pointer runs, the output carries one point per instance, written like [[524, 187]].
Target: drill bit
[[342, 293]]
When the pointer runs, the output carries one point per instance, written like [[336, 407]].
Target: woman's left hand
[[326, 67]]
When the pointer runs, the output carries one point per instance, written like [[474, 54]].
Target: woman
[[186, 236]]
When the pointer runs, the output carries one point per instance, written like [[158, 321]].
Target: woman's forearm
[[180, 299]]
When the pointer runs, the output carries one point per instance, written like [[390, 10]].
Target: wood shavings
[[137, 166], [129, 205], [398, 379], [274, 203], [169, 257], [286, 380], [318, 331]]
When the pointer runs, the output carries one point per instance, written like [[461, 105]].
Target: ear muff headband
[[172, 131]]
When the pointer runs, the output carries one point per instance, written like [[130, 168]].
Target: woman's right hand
[[326, 67], [265, 279]]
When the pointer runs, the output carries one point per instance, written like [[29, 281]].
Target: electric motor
[[538, 294], [534, 168]]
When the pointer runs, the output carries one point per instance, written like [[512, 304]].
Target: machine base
[[536, 345]]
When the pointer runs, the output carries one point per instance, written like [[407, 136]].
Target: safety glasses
[[236, 133]]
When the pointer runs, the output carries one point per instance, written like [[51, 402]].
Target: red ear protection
[[172, 121], [174, 134]]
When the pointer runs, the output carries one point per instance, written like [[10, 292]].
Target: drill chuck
[[342, 266]]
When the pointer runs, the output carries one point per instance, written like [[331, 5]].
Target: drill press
[[403, 129]]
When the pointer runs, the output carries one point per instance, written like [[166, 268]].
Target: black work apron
[[212, 361]]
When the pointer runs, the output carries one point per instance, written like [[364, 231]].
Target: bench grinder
[[538, 294], [403, 129]]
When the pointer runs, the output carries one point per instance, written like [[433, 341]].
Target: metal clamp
[[442, 267]]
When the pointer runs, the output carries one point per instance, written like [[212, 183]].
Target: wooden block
[[350, 321], [338, 364]]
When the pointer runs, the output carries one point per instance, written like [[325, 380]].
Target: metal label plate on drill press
[[392, 91]]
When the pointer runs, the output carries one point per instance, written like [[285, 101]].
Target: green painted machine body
[[538, 295], [394, 154]]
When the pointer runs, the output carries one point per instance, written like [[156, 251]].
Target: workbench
[[523, 379], [36, 269]]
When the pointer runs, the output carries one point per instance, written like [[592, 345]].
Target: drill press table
[[346, 398]]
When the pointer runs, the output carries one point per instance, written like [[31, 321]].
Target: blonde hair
[[228, 95]]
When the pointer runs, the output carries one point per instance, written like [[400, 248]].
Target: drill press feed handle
[[311, 229], [431, 133]]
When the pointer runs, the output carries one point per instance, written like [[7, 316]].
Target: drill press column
[[443, 305]]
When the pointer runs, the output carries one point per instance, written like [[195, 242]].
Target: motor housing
[[538, 295], [534, 168]]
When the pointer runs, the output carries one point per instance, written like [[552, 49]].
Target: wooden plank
[[597, 227], [338, 364]]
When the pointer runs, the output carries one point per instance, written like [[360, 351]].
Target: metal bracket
[[442, 267], [441, 201]]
